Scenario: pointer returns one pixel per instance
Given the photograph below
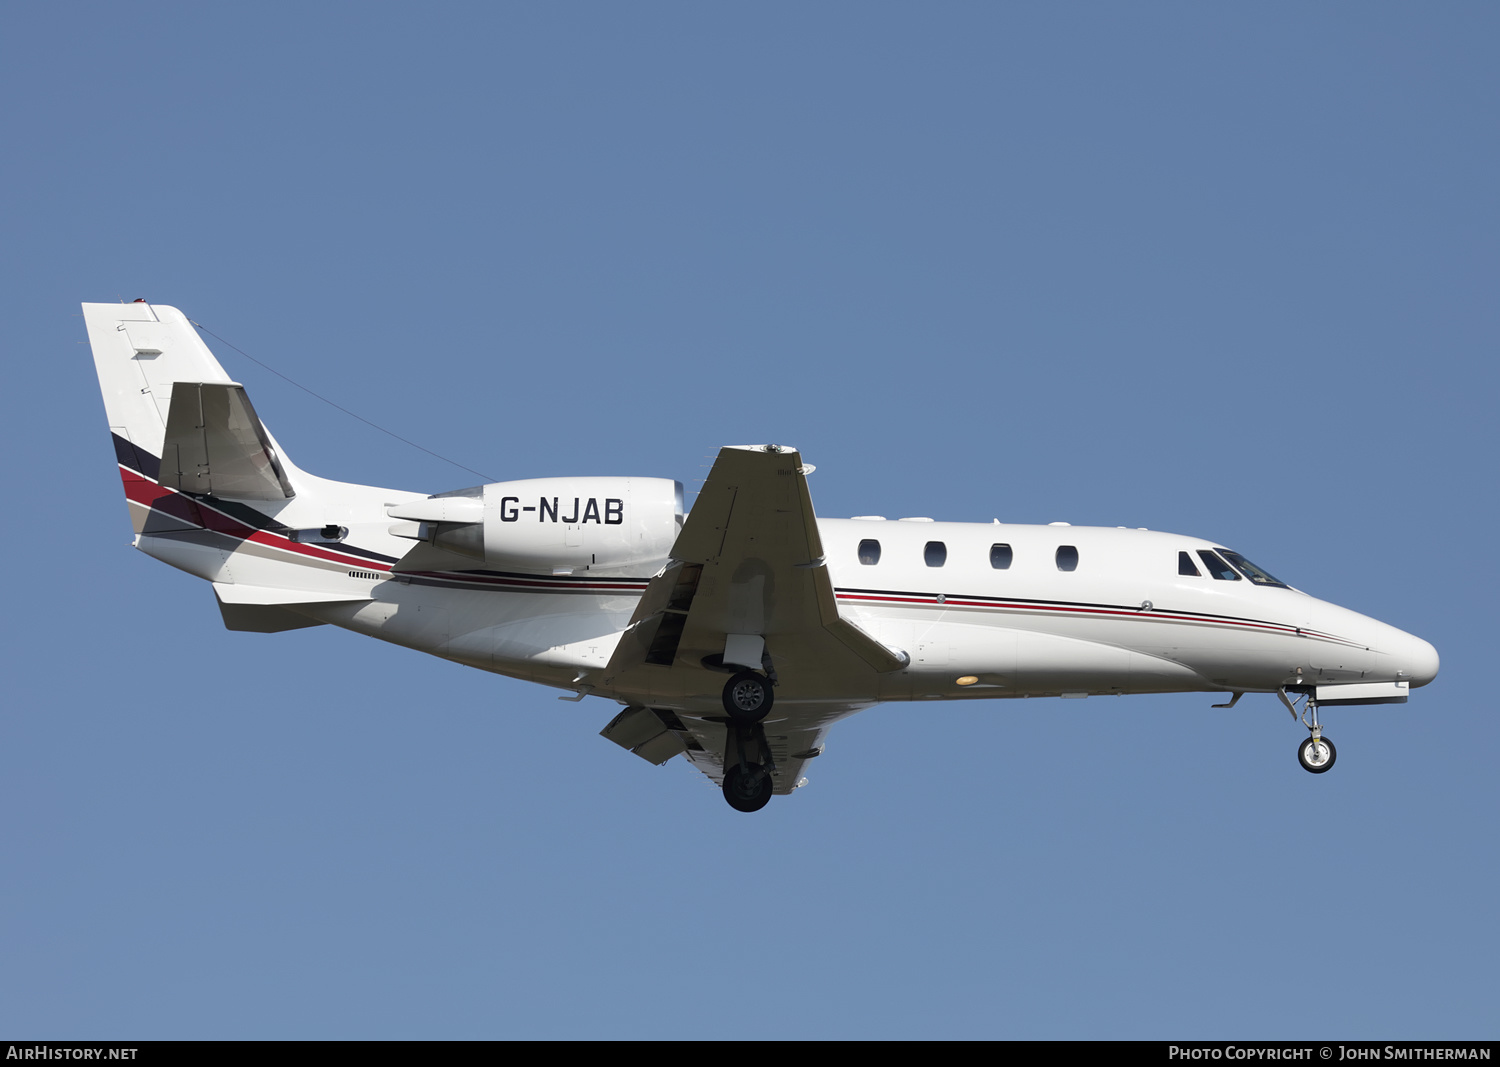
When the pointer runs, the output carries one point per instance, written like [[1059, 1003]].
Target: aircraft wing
[[748, 587], [794, 737]]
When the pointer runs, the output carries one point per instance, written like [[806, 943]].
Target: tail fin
[[208, 488], [178, 420], [139, 351]]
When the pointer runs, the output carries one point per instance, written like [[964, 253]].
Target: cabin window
[[869, 553], [1186, 566], [1217, 567], [1250, 570], [1067, 558], [936, 553], [1000, 557]]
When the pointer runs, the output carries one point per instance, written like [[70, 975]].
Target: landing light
[[967, 679]]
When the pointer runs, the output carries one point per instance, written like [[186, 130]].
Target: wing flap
[[642, 732]]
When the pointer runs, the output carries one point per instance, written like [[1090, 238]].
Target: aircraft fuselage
[[603, 586]]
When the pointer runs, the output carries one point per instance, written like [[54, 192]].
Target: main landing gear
[[747, 697], [748, 786], [1317, 753], [748, 764]]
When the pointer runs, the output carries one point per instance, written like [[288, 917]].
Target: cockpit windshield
[[1250, 570]]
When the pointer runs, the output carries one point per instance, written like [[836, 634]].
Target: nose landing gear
[[1317, 753]]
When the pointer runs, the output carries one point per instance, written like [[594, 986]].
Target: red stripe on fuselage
[[143, 491], [1070, 609], [149, 494]]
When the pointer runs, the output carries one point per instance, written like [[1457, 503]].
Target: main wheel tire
[[746, 788], [747, 697], [1316, 756]]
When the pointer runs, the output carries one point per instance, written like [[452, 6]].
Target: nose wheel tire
[[747, 787], [747, 697], [1316, 754]]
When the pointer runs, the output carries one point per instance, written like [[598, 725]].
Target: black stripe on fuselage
[[264, 523], [143, 462]]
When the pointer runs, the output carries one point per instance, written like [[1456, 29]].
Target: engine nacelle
[[553, 525]]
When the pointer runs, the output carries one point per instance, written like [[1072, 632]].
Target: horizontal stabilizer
[[229, 593], [215, 444], [260, 619]]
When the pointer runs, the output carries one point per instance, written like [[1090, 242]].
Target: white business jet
[[734, 636]]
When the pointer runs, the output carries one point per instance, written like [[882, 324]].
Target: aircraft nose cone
[[1420, 660]]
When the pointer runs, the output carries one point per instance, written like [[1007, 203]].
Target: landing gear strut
[[748, 763], [1317, 753]]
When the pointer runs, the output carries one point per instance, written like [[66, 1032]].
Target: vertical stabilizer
[[178, 421], [140, 350], [210, 491]]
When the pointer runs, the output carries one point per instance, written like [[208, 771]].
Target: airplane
[[735, 634]]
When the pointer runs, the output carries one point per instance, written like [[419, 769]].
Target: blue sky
[[1227, 271]]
